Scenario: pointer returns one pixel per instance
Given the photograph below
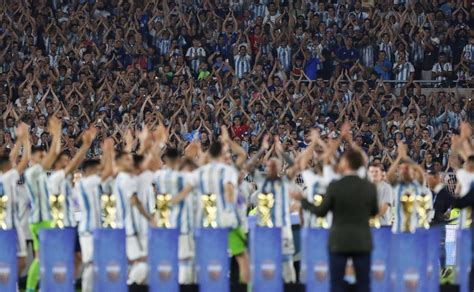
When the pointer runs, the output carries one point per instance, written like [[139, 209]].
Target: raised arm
[[55, 149], [87, 139], [23, 140]]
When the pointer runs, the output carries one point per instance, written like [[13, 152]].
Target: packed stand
[[257, 67]]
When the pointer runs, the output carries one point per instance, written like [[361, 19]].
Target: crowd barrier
[[400, 262]]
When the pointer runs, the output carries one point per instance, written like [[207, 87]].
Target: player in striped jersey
[[88, 191], [402, 177], [169, 180], [9, 177], [462, 145], [37, 185], [59, 183], [280, 187], [315, 180], [125, 189], [216, 177]]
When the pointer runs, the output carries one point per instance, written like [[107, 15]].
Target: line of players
[[135, 179]]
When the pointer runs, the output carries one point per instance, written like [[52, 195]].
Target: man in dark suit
[[352, 201], [442, 201]]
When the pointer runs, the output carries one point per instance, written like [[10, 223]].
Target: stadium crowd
[[157, 78], [256, 66]]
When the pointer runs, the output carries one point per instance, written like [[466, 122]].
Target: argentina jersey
[[280, 214], [170, 181], [406, 217], [87, 192], [58, 184], [8, 183], [38, 192], [124, 188], [211, 179], [315, 185], [466, 183]]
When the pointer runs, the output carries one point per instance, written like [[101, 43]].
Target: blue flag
[[163, 259], [315, 259], [380, 270], [212, 259], [409, 258], [8, 260], [463, 258], [110, 260], [57, 259], [266, 259]]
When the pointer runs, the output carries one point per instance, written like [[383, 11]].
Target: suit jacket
[[352, 201], [442, 202]]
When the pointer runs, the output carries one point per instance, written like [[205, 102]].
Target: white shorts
[[186, 247], [135, 248], [87, 248], [20, 243], [288, 246]]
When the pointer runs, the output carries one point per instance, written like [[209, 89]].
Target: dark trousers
[[337, 267]]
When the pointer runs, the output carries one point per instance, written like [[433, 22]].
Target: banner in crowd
[[314, 259], [8, 260], [212, 259], [433, 265], [57, 259], [163, 259], [380, 270], [266, 259], [110, 264], [463, 258], [408, 260]]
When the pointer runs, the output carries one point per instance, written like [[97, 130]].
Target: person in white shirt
[[37, 185], [169, 180], [9, 176], [384, 194], [402, 176], [125, 189], [59, 183]]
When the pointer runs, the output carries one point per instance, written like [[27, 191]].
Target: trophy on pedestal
[[408, 204], [109, 210], [3, 211], [423, 206], [163, 207], [321, 222], [209, 204], [266, 201], [56, 203]]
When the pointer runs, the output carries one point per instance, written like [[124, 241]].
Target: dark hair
[[138, 159], [354, 159], [215, 149], [35, 149], [188, 162], [89, 163], [378, 165], [171, 154], [4, 159], [470, 158]]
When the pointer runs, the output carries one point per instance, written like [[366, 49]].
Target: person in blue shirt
[[347, 55], [383, 66]]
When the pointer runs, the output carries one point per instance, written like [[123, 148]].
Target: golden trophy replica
[[408, 203], [374, 222], [321, 222], [264, 209], [56, 203], [209, 204], [468, 220], [162, 212], [109, 210], [3, 211], [422, 208]]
